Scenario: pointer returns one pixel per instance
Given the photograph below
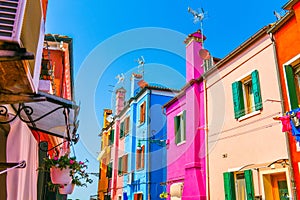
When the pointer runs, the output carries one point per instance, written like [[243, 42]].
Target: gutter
[[291, 171], [149, 143]]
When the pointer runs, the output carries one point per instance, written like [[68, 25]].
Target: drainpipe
[[149, 143], [206, 141], [294, 192]]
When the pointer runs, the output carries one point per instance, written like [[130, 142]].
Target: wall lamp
[[162, 143]]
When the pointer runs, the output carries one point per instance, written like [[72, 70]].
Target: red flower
[[72, 162], [55, 158], [81, 163]]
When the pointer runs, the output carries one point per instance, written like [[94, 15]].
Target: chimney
[[120, 100], [135, 79], [194, 68]]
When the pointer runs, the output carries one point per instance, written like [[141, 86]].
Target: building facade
[[186, 164], [138, 145], [286, 38], [247, 152]]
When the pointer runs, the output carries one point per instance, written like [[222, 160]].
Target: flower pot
[[60, 176], [66, 189]]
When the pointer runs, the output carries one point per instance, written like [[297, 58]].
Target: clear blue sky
[[109, 35]]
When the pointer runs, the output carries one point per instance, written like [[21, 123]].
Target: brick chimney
[[194, 68], [120, 100]]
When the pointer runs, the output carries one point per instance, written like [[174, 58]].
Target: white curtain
[[21, 145]]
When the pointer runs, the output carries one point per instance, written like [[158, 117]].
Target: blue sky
[[110, 35]]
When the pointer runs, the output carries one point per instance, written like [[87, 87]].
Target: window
[[140, 158], [109, 170], [246, 95], [124, 127], [142, 112], [122, 167], [180, 127], [293, 84], [238, 186], [111, 137], [138, 196]]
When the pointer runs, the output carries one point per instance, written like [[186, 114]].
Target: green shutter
[[291, 87], [122, 129], [120, 166], [229, 188], [184, 125], [238, 99], [112, 136], [177, 129], [256, 90], [249, 184]]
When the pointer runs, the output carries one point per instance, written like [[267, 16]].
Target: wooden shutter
[[120, 166], [229, 188], [184, 125], [138, 159], [291, 87], [249, 184], [122, 129], [177, 129], [143, 157], [256, 90], [142, 112], [112, 136], [125, 163], [238, 99]]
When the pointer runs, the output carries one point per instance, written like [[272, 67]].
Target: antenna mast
[[198, 17]]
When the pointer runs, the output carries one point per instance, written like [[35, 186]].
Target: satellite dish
[[204, 54], [110, 118]]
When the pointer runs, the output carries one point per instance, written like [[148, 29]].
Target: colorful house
[[138, 150], [186, 164], [286, 37], [31, 125], [247, 155]]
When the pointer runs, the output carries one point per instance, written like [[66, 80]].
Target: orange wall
[[288, 46]]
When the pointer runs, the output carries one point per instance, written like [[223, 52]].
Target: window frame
[[142, 117], [140, 158], [243, 97], [180, 128]]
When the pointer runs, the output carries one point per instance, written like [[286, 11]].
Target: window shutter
[[142, 112], [256, 90], [138, 159], [177, 129], [112, 136], [291, 86], [122, 129], [229, 187], [184, 125], [249, 184], [238, 99], [125, 163], [143, 157], [120, 166]]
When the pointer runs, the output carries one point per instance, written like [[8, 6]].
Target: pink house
[[186, 166]]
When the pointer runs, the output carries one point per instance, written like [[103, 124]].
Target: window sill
[[181, 143], [140, 169], [249, 115]]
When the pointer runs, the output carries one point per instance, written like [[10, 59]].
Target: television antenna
[[121, 78], [141, 62], [198, 17]]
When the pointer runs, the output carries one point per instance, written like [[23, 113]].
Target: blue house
[[145, 142]]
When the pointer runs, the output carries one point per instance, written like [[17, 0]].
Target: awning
[[51, 114]]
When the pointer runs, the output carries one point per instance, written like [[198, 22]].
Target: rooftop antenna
[[121, 78], [277, 15], [141, 62], [198, 17]]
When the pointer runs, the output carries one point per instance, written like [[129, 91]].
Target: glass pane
[[240, 187]]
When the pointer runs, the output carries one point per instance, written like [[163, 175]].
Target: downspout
[[206, 141], [291, 171], [149, 143]]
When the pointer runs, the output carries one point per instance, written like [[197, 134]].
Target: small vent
[[8, 15]]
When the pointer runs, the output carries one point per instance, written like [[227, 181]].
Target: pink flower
[[81, 163], [55, 158], [72, 162]]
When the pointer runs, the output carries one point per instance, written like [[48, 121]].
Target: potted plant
[[66, 170], [163, 195]]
